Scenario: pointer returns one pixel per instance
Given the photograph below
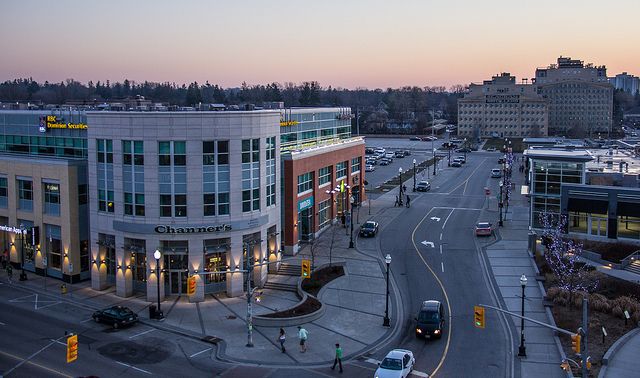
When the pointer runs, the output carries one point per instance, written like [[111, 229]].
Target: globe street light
[[157, 255], [435, 161], [500, 205], [400, 187], [414, 175], [465, 149], [352, 200], [386, 322], [522, 351]]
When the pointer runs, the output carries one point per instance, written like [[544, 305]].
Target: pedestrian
[[303, 334], [281, 339], [396, 203], [404, 188], [408, 201], [9, 272], [338, 359]]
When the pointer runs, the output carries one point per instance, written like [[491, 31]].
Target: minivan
[[430, 319]]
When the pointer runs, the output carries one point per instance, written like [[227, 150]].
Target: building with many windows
[[501, 108], [199, 187], [43, 192], [580, 97], [626, 82]]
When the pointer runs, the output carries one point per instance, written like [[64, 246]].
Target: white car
[[369, 168], [389, 155], [397, 364]]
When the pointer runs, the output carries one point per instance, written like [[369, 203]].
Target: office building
[[626, 82]]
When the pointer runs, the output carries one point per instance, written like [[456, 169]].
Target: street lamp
[[333, 215], [23, 275], [400, 187], [386, 322], [500, 205], [465, 149], [414, 175], [352, 200], [157, 255], [434, 161], [522, 351]]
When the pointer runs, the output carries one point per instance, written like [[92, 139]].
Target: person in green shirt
[[338, 359]]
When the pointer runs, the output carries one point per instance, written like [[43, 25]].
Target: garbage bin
[[152, 311]]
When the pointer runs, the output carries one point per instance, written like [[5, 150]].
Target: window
[[51, 198], [133, 177], [341, 170], [104, 150], [270, 151], [250, 175], [83, 195], [355, 164], [172, 178], [215, 260], [305, 182], [215, 177], [104, 172], [324, 175], [25, 195], [323, 213], [54, 246], [3, 193]]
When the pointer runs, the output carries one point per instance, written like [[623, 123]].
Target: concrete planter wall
[[264, 321]]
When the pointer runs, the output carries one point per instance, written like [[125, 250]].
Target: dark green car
[[117, 316]]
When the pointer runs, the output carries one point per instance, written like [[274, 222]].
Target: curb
[[614, 349]]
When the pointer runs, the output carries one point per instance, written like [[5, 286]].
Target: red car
[[484, 229]]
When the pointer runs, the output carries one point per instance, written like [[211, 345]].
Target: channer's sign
[[167, 229]]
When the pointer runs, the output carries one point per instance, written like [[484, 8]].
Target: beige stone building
[[501, 108]]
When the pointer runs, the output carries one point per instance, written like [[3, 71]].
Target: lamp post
[[157, 255], [345, 207], [352, 200], [23, 275], [386, 322], [414, 175], [465, 149], [434, 161], [500, 205], [522, 351], [333, 215], [400, 187]]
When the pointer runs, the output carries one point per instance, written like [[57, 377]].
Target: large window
[[104, 150], [270, 151], [133, 177], [4, 201], [356, 164], [305, 182], [25, 194], [215, 177], [172, 178], [250, 175], [324, 175], [54, 246], [51, 198], [323, 213], [215, 260], [341, 170], [136, 248]]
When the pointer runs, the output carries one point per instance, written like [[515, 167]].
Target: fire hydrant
[[63, 289]]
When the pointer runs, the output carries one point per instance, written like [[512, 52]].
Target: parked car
[[397, 364], [384, 161], [117, 316], [389, 155], [491, 149], [414, 138], [423, 186], [496, 173], [501, 160], [484, 229], [369, 168], [380, 150], [399, 154], [456, 164], [461, 159], [407, 153], [369, 151], [455, 140], [369, 228], [464, 149], [430, 319], [371, 161]]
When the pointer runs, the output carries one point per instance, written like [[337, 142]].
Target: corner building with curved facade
[[203, 188]]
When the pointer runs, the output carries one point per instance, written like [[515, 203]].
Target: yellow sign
[[342, 186], [191, 285], [288, 123], [52, 123], [72, 348]]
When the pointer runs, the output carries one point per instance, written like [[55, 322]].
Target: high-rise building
[[501, 108], [580, 97], [626, 82]]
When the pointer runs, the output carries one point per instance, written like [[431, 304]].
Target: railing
[[629, 259]]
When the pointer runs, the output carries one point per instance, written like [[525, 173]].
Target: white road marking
[[372, 361], [442, 265], [202, 351], [59, 342], [441, 236], [446, 220], [440, 248], [428, 244], [435, 219], [1, 323], [34, 298], [142, 333], [132, 367], [86, 320], [6, 372]]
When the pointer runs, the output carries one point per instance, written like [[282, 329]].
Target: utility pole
[[585, 333]]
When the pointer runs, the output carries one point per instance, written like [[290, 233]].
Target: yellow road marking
[[36, 364]]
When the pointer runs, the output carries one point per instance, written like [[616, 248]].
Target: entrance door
[[598, 225], [177, 273], [178, 282], [305, 224]]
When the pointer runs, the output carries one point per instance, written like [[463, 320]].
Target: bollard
[[63, 289]]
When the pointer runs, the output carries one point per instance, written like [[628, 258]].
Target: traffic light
[[72, 348], [588, 363], [191, 285], [306, 269], [575, 342], [478, 316]]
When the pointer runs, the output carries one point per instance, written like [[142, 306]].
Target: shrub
[[553, 292], [560, 300], [617, 311]]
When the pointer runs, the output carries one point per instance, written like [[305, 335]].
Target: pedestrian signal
[[478, 316], [72, 348], [306, 269], [191, 285]]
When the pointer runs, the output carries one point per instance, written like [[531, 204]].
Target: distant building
[[626, 82], [580, 97], [501, 108]]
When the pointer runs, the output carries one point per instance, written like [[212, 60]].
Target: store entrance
[[176, 273], [305, 224]]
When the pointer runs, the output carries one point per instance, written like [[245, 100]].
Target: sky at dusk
[[342, 43]]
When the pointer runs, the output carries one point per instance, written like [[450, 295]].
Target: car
[[389, 155], [496, 173], [461, 159], [407, 153], [397, 363], [384, 161], [369, 228], [423, 186], [379, 150], [399, 154], [430, 319], [414, 138], [455, 140], [369, 168], [491, 149], [117, 316], [484, 229], [501, 160], [456, 164], [371, 162], [369, 151], [464, 149]]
